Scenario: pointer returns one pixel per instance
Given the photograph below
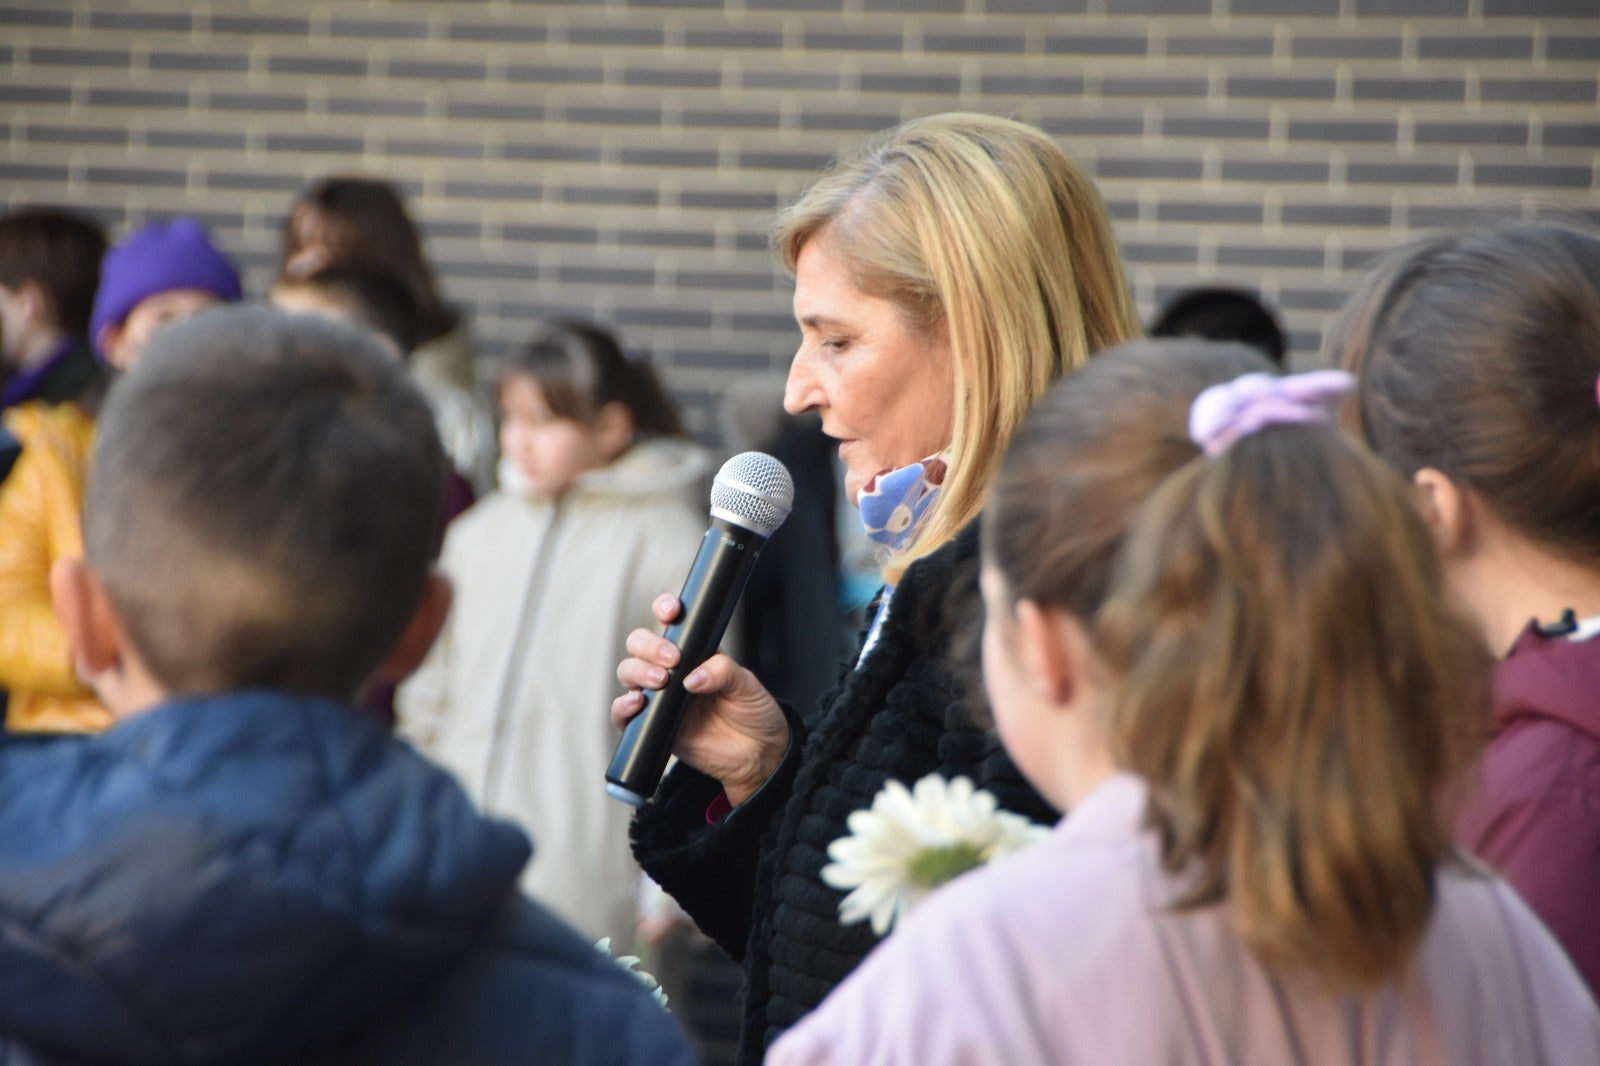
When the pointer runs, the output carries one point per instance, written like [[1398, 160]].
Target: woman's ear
[[411, 647], [614, 428], [1445, 508]]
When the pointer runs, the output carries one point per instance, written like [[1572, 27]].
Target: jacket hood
[[237, 879], [448, 358], [661, 466], [1550, 677]]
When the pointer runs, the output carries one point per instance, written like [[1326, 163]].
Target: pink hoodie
[[1536, 814], [1066, 953]]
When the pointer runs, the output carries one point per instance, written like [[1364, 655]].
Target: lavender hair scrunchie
[[1225, 413]]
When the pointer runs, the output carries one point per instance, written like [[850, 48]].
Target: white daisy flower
[[912, 841], [631, 963]]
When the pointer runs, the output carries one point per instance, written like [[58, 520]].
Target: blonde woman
[[944, 276]]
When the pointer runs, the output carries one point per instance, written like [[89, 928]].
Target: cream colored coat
[[515, 696]]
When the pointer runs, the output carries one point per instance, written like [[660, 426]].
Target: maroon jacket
[[1536, 814]]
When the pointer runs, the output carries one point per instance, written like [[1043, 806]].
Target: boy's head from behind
[[263, 503]]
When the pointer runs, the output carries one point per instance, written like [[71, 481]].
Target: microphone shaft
[[710, 592]]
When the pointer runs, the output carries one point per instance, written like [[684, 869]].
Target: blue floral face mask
[[894, 501]]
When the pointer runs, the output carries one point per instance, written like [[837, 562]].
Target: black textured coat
[[753, 882]]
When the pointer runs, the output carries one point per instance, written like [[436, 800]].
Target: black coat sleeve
[[711, 869]]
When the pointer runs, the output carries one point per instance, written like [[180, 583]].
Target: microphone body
[[751, 496]]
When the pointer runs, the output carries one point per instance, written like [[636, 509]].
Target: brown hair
[[1282, 670], [263, 504], [1089, 454], [369, 295], [1478, 356], [60, 251], [983, 229], [581, 368], [364, 221]]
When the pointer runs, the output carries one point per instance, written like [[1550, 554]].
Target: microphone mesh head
[[753, 490]]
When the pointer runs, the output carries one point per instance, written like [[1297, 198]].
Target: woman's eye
[[835, 344]]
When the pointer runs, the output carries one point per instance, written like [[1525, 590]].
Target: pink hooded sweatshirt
[[1066, 953]]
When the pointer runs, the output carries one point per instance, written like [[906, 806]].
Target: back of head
[[984, 229], [346, 219], [580, 368], [1289, 683], [1478, 355], [263, 503], [1088, 455], [60, 251], [369, 295], [1222, 315]]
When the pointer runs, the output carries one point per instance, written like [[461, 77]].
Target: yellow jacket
[[41, 509]]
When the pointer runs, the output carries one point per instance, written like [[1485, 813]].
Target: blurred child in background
[[601, 506], [345, 220], [49, 270]]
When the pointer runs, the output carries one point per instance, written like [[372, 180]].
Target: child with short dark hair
[[601, 505], [49, 270], [247, 868], [1479, 359], [1252, 724]]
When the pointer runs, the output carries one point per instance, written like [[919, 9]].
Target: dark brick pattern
[[621, 159]]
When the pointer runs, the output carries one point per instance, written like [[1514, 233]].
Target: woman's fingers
[[717, 674], [667, 609], [625, 707], [652, 648], [637, 674]]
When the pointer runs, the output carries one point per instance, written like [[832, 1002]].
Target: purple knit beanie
[[158, 258]]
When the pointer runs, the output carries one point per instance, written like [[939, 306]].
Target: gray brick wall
[[620, 158]]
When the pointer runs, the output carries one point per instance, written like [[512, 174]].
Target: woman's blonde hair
[[1291, 685], [984, 229]]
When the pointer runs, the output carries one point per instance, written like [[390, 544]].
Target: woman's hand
[[733, 729]]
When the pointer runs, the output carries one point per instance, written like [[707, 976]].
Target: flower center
[[932, 867]]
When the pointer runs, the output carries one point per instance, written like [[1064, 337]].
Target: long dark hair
[[363, 221], [1478, 355]]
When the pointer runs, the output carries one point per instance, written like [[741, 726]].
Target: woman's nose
[[800, 392]]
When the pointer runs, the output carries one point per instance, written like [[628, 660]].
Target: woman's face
[[548, 450], [884, 391]]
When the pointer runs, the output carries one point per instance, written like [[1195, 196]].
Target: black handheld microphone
[[750, 497]]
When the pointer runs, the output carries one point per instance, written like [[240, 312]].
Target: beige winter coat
[[515, 696]]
